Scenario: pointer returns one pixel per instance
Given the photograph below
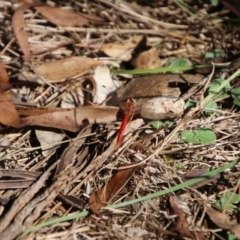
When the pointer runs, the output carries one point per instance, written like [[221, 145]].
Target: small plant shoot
[[229, 199], [210, 108], [214, 86]]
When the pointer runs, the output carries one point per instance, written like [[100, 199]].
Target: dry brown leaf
[[9, 116], [61, 70], [72, 119], [122, 51], [181, 225], [147, 60], [4, 78], [4, 86], [222, 220], [62, 17], [34, 112], [103, 196], [53, 14], [18, 28]]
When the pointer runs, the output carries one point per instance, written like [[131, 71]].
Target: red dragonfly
[[128, 114]]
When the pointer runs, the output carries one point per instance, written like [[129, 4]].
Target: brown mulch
[[37, 185]]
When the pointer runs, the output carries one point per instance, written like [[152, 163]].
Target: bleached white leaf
[[105, 85], [49, 140]]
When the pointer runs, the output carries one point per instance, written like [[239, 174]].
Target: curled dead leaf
[[154, 97], [9, 116], [103, 196], [4, 86]]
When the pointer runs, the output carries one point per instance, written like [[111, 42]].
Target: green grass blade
[[159, 70], [54, 221]]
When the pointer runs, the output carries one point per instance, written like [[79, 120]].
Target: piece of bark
[[31, 210]]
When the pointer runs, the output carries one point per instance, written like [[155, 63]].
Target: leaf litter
[[77, 169]]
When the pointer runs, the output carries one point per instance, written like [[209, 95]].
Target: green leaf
[[158, 124], [178, 62], [216, 83], [214, 2], [229, 198], [237, 102], [199, 136], [117, 2], [210, 108], [168, 123], [215, 53], [231, 237], [235, 93], [190, 103]]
